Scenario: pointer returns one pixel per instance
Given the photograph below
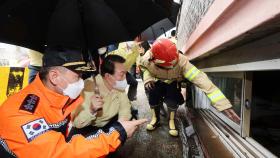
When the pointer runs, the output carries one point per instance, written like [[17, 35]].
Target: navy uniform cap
[[72, 59]]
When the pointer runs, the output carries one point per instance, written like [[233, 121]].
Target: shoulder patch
[[35, 128], [30, 103]]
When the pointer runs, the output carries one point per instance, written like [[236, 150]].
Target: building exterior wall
[[224, 21]]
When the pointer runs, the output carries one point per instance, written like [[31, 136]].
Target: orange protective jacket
[[33, 123]]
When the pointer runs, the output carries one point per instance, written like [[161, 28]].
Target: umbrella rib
[[153, 32]]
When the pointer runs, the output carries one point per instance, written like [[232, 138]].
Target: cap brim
[[80, 69]]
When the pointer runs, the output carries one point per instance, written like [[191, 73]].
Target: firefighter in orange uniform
[[163, 68], [34, 122]]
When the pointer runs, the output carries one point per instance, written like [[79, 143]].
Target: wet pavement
[[150, 144]]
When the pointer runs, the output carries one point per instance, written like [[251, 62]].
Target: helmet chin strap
[[164, 67]]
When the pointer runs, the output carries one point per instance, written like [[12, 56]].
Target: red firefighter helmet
[[164, 53]]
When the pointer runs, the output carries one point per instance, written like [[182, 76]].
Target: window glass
[[232, 89]]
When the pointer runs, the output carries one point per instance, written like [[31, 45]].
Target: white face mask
[[120, 85], [73, 90]]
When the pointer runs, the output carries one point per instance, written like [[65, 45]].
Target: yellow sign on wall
[[12, 80]]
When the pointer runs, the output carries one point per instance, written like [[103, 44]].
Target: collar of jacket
[[104, 91], [54, 99]]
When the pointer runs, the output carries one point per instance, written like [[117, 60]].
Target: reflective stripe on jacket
[[184, 69]]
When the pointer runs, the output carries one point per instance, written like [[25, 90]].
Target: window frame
[[243, 128]]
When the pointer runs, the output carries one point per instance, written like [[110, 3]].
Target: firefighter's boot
[[172, 129], [155, 119]]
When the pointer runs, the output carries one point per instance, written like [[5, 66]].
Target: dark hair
[[173, 33], [145, 45], [44, 71], [108, 64]]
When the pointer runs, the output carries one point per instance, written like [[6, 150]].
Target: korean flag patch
[[35, 128]]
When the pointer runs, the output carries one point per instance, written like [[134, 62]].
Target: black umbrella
[[88, 24], [161, 27], [25, 22], [156, 30]]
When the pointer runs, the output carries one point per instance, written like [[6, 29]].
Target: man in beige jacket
[[163, 68], [111, 84], [129, 51]]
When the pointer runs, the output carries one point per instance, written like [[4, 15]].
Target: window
[[232, 88], [231, 84]]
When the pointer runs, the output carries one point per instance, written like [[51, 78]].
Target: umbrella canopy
[[156, 30], [25, 22], [88, 24], [168, 33]]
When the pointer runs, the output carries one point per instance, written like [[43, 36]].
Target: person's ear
[[109, 78], [54, 76]]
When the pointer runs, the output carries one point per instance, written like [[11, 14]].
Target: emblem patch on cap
[[30, 103], [35, 128]]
